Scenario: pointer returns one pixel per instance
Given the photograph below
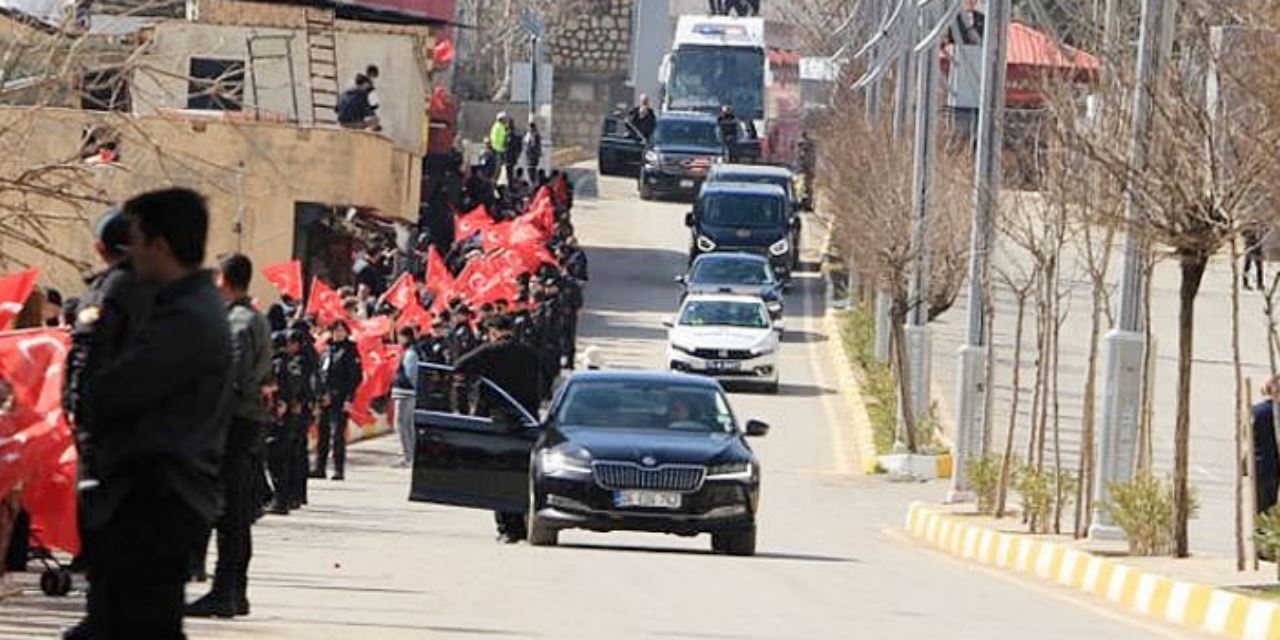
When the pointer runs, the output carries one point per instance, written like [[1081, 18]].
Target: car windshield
[[724, 313], [707, 78], [756, 178], [743, 210], [700, 133], [728, 271], [663, 406]]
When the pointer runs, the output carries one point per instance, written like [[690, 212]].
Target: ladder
[[257, 56], [322, 64]]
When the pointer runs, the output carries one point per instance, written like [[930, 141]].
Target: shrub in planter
[[983, 476], [1143, 509]]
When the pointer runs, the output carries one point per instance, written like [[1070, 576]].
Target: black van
[[747, 218]]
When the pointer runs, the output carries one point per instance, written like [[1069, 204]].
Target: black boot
[[81, 631], [220, 602]]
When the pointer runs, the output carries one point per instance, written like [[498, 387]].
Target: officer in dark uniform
[[436, 392], [341, 374], [569, 303], [551, 333], [159, 486], [309, 361], [728, 123], [110, 312], [243, 459], [295, 400]]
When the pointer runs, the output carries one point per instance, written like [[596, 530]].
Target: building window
[[105, 90], [216, 84]]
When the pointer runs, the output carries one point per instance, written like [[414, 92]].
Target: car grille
[[760, 251], [722, 354], [668, 477], [689, 165]]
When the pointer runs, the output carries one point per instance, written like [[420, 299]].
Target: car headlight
[[729, 471], [780, 247], [763, 348], [775, 306], [566, 460], [706, 244], [682, 348], [653, 157]]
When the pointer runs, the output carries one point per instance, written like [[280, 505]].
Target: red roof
[[1032, 52]]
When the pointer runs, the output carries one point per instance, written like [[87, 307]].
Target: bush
[[1267, 536], [983, 475], [1036, 488], [1143, 509]]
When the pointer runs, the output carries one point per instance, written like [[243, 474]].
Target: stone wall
[[591, 51]]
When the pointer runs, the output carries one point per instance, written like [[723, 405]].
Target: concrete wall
[[251, 172], [162, 80]]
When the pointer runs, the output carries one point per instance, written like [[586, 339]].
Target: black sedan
[[618, 451]]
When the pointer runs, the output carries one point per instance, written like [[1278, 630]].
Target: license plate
[[646, 499], [686, 184], [724, 365]]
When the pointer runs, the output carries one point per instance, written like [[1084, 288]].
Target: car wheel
[[772, 388], [538, 533], [735, 543]]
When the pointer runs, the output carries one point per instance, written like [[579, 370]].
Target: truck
[[750, 64]]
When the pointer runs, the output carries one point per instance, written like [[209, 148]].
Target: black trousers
[[242, 491], [288, 467], [1253, 259], [333, 426], [138, 566], [300, 461]]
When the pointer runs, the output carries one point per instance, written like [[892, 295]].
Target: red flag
[[286, 277], [443, 52], [497, 236], [439, 280], [379, 368], [476, 221], [542, 214], [403, 293], [526, 230], [36, 446], [325, 303], [415, 316], [14, 290]]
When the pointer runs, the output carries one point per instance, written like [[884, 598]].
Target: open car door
[[621, 148], [473, 443]]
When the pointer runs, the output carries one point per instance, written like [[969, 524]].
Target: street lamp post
[[971, 386], [1123, 387]]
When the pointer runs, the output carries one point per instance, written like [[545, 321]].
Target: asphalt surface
[[362, 561]]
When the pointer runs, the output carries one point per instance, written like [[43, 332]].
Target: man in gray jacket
[[242, 463]]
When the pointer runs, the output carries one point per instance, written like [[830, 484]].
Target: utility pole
[[971, 386], [1122, 399], [916, 333]]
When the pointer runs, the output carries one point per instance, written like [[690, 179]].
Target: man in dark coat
[[110, 312], [642, 119], [160, 412], [1266, 462], [243, 460], [341, 373], [728, 123], [516, 369]]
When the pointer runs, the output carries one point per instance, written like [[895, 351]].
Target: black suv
[[681, 153], [746, 218]]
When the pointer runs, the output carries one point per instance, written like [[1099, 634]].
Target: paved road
[[361, 561]]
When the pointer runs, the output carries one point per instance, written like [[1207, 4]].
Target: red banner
[[286, 277], [476, 221], [36, 446], [14, 290]]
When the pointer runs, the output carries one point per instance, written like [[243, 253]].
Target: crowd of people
[[192, 404]]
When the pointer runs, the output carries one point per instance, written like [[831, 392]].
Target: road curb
[[851, 391], [1188, 605]]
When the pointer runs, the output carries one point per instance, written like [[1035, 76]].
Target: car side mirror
[[757, 429], [689, 219], [668, 322], [680, 279], [779, 325]]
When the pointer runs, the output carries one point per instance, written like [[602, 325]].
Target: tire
[[537, 532], [772, 388], [741, 542]]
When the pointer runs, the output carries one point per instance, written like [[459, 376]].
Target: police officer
[[242, 461], [110, 312], [308, 360], [341, 375], [728, 123], [159, 487], [433, 349]]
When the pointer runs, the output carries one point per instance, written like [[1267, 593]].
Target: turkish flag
[[379, 364], [542, 214], [286, 277], [14, 290], [415, 316], [497, 236], [443, 52], [476, 221], [403, 293], [325, 303], [439, 278], [527, 230], [36, 446]]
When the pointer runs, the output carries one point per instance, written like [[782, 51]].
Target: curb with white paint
[[1193, 606]]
